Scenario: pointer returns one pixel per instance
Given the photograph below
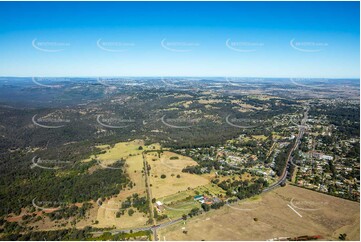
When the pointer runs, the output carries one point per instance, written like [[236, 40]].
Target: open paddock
[[284, 212]]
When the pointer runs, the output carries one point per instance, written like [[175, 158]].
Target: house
[[326, 157], [199, 198], [159, 206]]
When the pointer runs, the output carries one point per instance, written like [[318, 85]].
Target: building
[[326, 157], [199, 198], [159, 206]]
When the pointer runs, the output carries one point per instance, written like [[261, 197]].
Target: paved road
[[301, 132], [154, 228], [149, 193]]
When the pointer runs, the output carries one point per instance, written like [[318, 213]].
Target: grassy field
[[175, 188], [182, 202], [169, 185], [269, 216], [106, 214], [121, 150], [260, 137]]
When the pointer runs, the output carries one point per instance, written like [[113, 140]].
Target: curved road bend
[[302, 128], [153, 228]]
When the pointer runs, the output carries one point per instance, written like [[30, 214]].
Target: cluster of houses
[[207, 200], [200, 198], [321, 156]]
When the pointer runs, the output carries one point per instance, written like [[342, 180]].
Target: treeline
[[345, 117], [69, 212], [135, 201], [74, 185], [242, 189], [139, 235], [52, 235], [281, 159]]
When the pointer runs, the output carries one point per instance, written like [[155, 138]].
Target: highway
[[153, 228], [301, 132], [282, 179]]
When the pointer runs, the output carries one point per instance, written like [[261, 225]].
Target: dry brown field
[[171, 184], [270, 217]]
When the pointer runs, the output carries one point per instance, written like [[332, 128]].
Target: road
[[282, 179], [149, 193], [301, 132], [152, 228]]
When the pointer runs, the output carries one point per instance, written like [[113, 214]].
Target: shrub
[[130, 212]]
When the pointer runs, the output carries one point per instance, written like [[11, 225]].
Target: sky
[[245, 39]]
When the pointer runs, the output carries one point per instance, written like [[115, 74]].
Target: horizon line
[[161, 76]]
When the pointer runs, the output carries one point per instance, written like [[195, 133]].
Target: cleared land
[[182, 202], [169, 166], [129, 151], [269, 216]]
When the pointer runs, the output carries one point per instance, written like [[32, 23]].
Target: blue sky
[[248, 39]]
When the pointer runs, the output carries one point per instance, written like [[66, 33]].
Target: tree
[[178, 176], [193, 212], [130, 212], [140, 148], [163, 176], [206, 207], [342, 236], [184, 217], [153, 200]]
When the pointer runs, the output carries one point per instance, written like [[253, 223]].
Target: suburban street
[[302, 128], [154, 227]]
